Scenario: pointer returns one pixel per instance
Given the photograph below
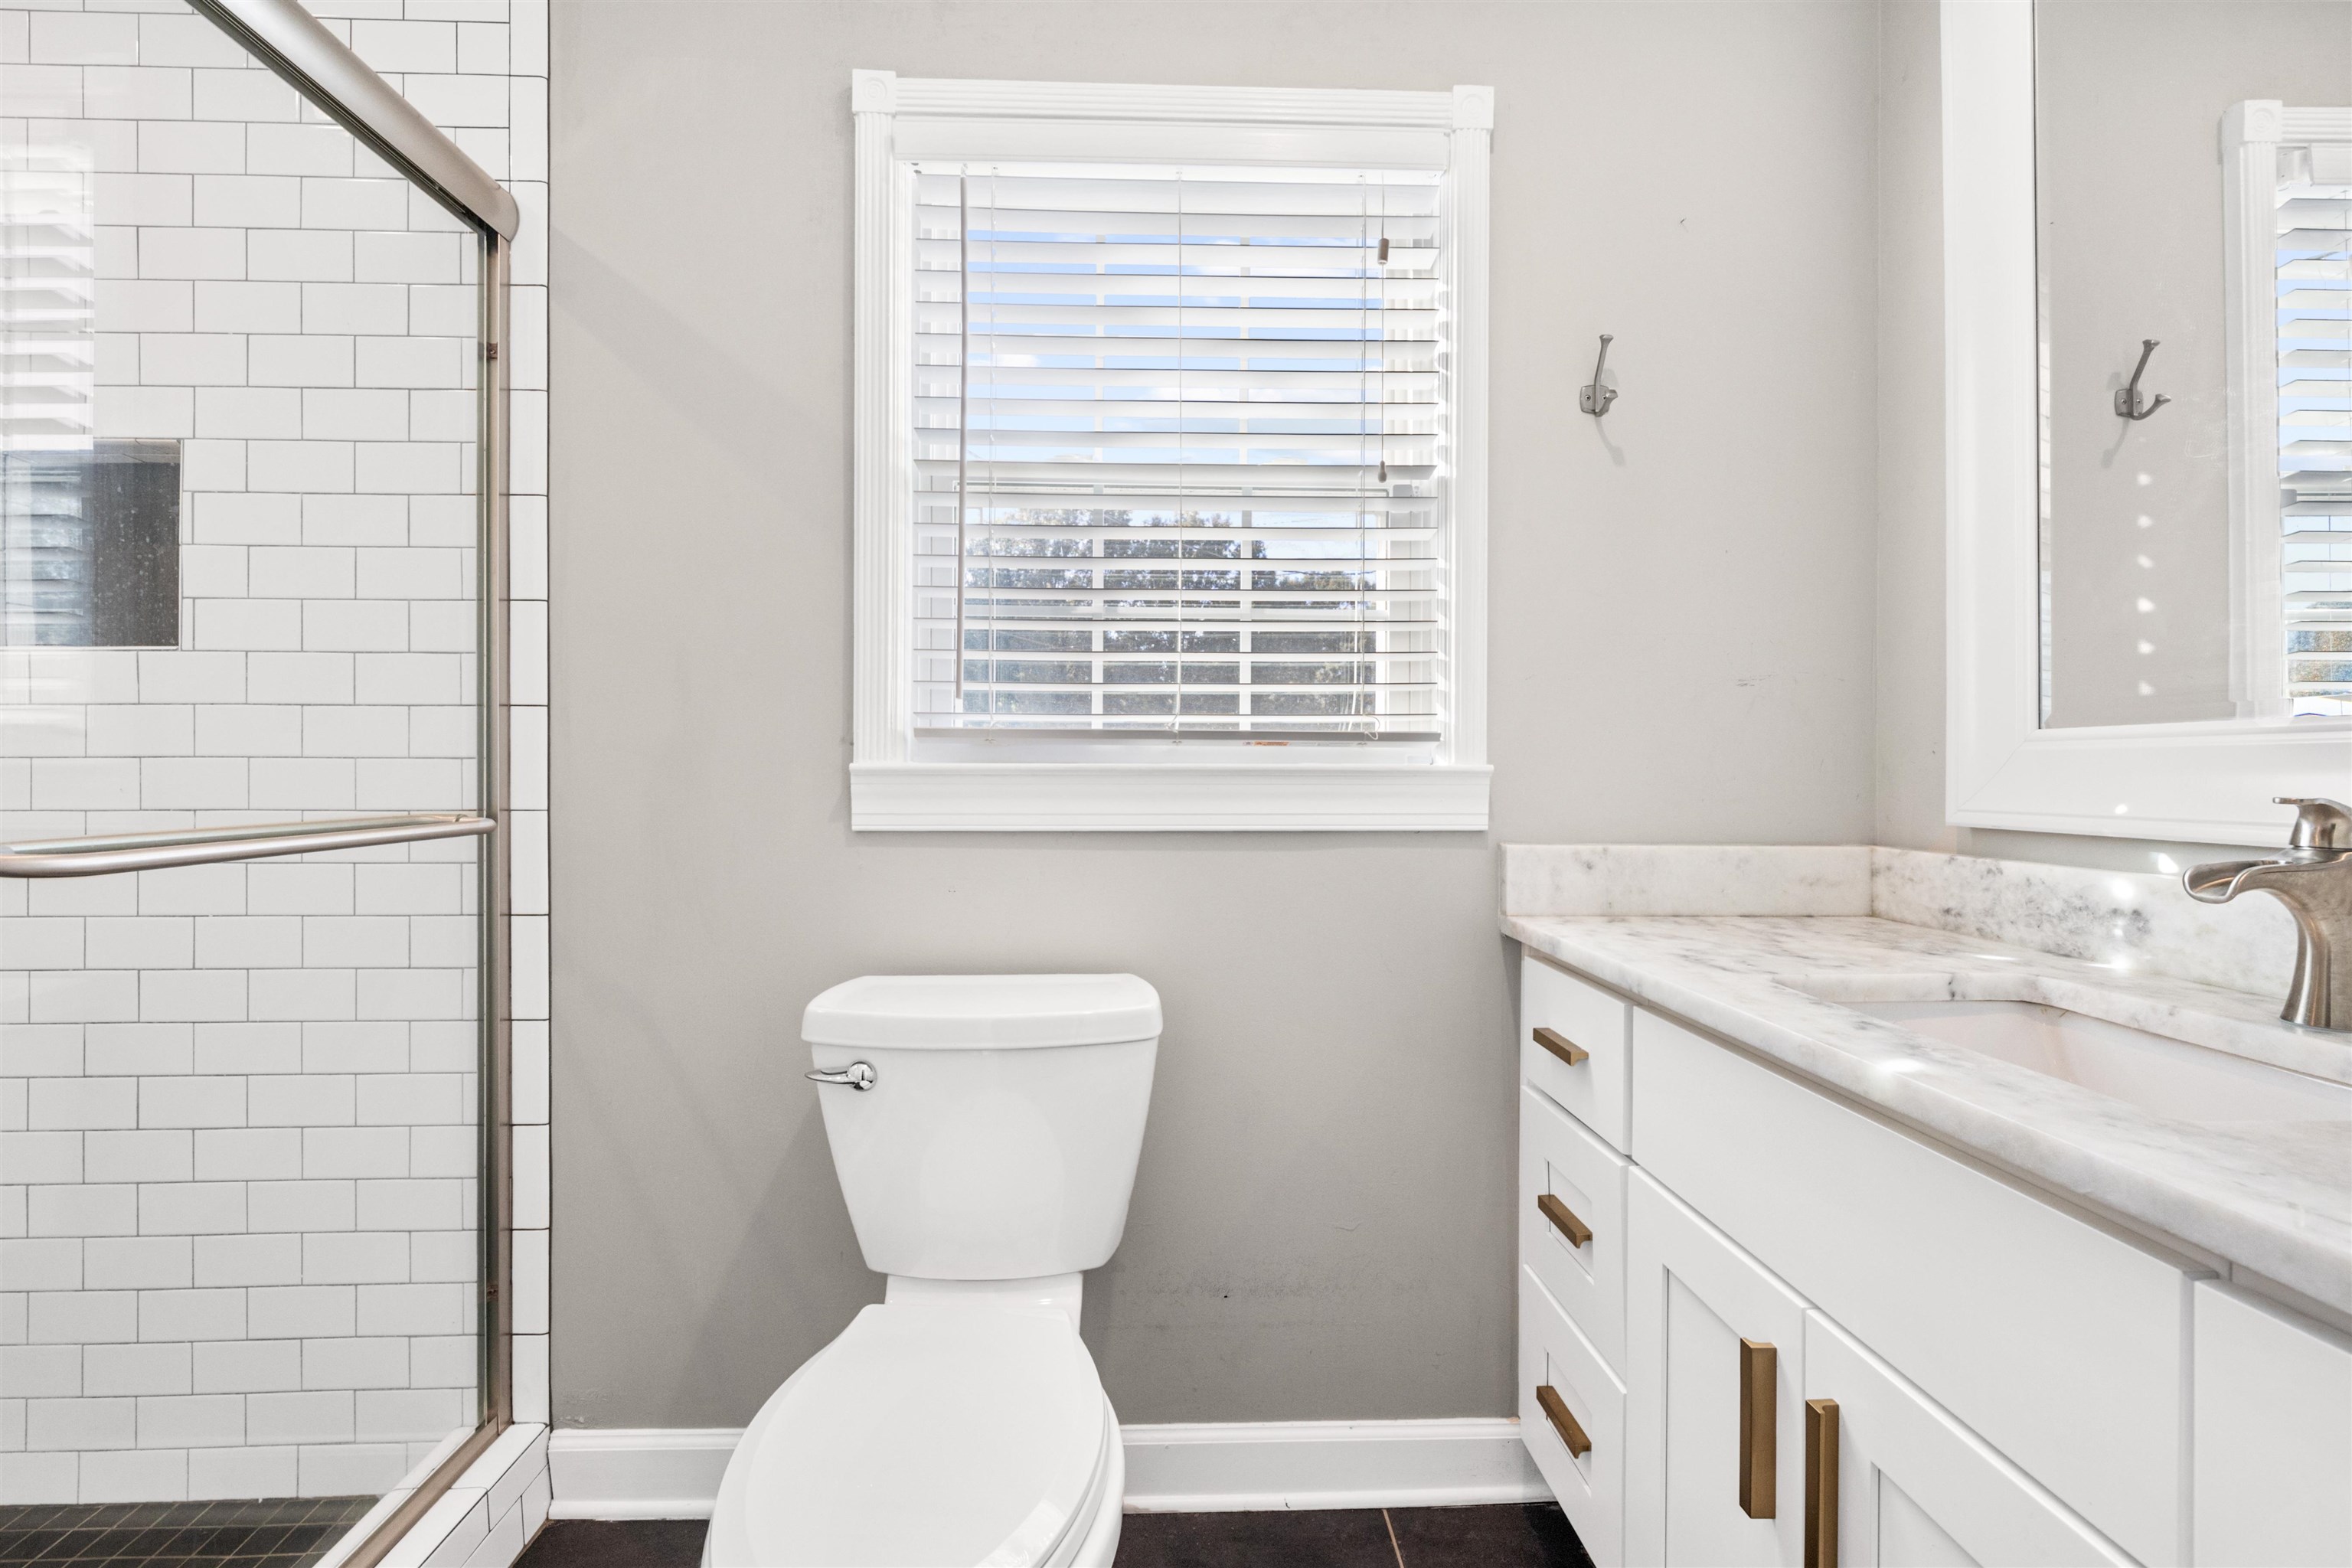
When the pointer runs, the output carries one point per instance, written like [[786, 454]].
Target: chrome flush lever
[[2127, 398], [1596, 398], [859, 1076]]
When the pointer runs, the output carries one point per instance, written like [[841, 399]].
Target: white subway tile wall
[[237, 1103]]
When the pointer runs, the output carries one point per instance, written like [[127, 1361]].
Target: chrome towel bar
[[154, 851]]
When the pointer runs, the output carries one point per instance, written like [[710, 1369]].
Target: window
[[1192, 416], [1171, 470], [2288, 186]]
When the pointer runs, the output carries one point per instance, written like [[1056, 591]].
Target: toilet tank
[[1000, 1137]]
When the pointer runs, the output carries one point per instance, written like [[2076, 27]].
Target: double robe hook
[[1596, 398], [2127, 398]]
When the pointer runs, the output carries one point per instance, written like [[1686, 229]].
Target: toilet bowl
[[985, 1131], [929, 1434]]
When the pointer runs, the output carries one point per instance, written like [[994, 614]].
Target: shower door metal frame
[[293, 44]]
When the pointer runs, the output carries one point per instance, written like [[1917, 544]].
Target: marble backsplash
[[2138, 920], [1685, 880]]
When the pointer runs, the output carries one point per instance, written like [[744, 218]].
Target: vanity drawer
[[1573, 1046], [1564, 1390], [1573, 1186], [2056, 1341]]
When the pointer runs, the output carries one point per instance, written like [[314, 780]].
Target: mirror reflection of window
[[2305, 611]]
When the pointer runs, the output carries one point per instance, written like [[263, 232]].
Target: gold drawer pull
[[1561, 1046], [1759, 1371], [1563, 1221], [1555, 1410], [1820, 1483]]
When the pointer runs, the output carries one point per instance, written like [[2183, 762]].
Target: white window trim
[[2250, 134], [1317, 787], [2205, 782]]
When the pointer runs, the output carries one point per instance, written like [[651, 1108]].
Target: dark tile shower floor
[[1509, 1536], [273, 1533]]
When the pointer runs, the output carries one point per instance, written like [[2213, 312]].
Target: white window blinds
[[2314, 434], [1180, 451]]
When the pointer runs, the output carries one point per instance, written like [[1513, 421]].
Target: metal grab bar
[[97, 855]]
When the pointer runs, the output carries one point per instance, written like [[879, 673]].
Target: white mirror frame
[[2209, 782]]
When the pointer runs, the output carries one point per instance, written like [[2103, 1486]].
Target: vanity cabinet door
[[1715, 1419], [2274, 1435], [1908, 1487]]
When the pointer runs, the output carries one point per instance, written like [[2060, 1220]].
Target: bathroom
[[476, 584]]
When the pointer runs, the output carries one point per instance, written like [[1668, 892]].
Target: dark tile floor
[[274, 1532], [1535, 1536]]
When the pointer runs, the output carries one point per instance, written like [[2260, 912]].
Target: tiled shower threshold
[[483, 1520], [272, 1532]]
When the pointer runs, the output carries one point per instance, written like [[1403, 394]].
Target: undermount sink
[[2170, 1078]]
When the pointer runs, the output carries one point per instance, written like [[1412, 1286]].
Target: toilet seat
[[924, 1437]]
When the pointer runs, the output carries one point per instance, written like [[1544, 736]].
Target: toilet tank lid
[[983, 1012]]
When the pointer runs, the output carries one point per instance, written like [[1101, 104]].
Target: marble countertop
[[2273, 1198]]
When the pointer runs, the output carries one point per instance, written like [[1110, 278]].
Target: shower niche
[[89, 551]]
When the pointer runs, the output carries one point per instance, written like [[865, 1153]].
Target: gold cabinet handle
[[1555, 1410], [1760, 1372], [1563, 1220], [1561, 1046], [1820, 1483]]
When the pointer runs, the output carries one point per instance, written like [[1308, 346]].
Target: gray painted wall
[[1682, 645], [1909, 804]]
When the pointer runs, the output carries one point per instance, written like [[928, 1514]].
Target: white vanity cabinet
[[2273, 1436], [1838, 1341], [1744, 1403], [2059, 1341]]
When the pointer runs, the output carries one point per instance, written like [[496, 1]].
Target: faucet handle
[[2319, 823]]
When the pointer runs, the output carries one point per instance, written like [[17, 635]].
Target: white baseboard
[[1217, 1468], [638, 1473], [1211, 1467]]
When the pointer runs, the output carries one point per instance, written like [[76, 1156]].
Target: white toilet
[[985, 1129]]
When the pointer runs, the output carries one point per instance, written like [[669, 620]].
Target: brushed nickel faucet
[[2313, 879]]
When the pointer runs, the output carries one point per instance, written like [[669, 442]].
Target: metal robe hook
[[2127, 400], [1596, 398]]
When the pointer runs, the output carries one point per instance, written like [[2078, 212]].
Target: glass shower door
[[241, 615]]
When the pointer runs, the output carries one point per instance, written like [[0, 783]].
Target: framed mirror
[[2149, 336]]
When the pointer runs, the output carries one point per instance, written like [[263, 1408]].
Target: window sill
[[1114, 797]]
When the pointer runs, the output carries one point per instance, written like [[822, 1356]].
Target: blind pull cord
[[988, 479], [963, 406], [1365, 700], [1176, 720], [1384, 358], [1363, 502]]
